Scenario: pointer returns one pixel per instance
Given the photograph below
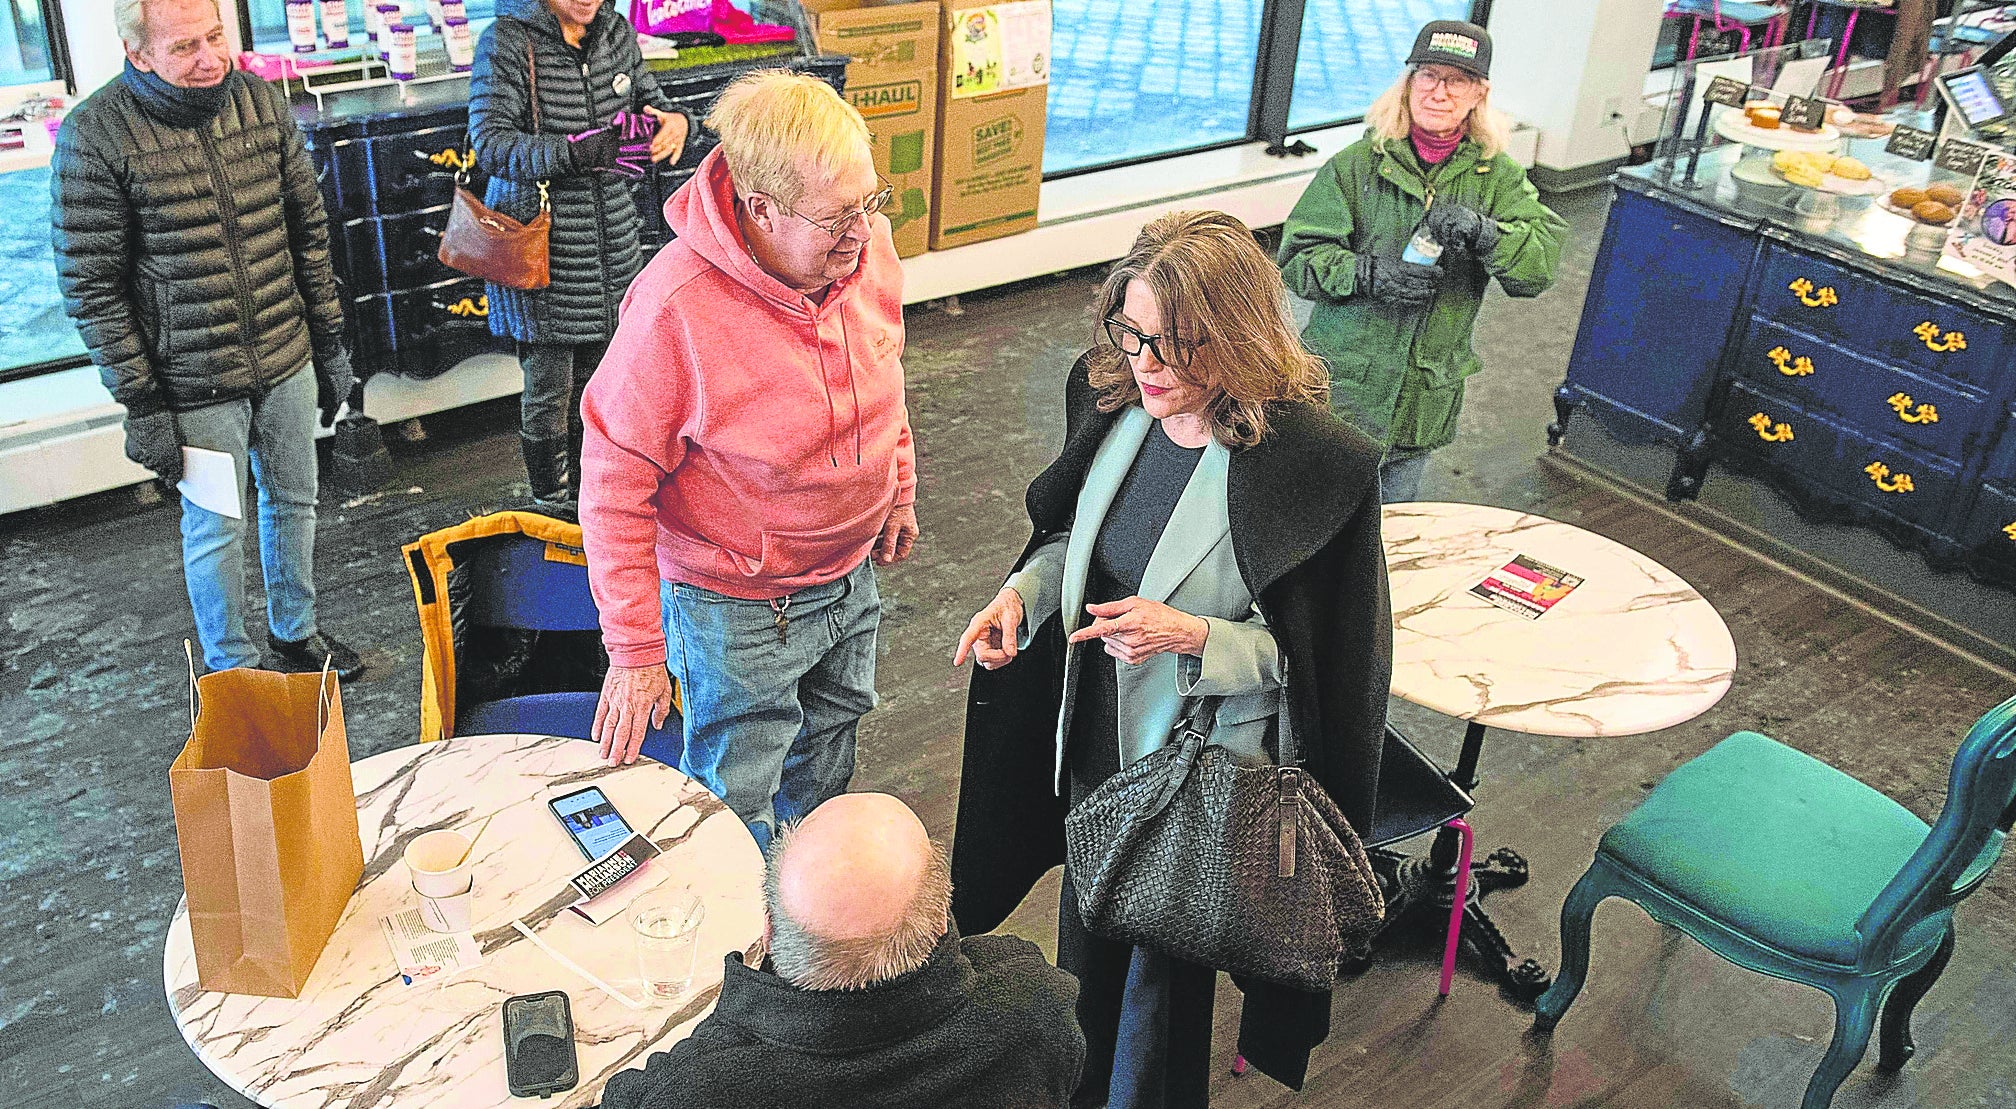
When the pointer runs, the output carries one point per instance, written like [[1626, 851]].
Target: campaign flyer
[[1526, 587]]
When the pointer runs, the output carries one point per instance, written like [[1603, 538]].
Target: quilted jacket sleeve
[[91, 229], [500, 111], [308, 236]]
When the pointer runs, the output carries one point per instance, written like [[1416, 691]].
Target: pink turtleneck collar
[[1434, 151]]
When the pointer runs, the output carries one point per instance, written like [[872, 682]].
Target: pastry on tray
[[1907, 198], [1945, 194], [1850, 169], [1764, 117], [1932, 212]]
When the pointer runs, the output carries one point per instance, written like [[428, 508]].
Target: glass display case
[[1719, 157]]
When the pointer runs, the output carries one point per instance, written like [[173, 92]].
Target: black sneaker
[[305, 656]]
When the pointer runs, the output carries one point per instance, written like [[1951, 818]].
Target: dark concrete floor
[[92, 711]]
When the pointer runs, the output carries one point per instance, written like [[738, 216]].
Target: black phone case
[[537, 1014]]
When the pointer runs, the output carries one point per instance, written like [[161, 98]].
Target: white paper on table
[[424, 955], [1800, 77], [210, 478]]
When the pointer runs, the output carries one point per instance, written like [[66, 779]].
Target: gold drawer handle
[[1823, 297], [1768, 431], [450, 158], [1801, 366], [1880, 474], [1910, 413], [2009, 529], [1928, 333], [480, 306]]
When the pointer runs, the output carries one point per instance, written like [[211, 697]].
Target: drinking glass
[[667, 923]]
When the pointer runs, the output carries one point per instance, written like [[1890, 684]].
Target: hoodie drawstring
[[853, 386], [832, 414]]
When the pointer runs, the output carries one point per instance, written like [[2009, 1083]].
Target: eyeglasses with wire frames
[[1454, 82], [840, 225], [1132, 342]]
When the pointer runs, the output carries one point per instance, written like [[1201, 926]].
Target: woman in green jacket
[[1396, 333]]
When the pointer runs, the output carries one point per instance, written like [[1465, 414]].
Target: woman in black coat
[[583, 58], [1224, 527]]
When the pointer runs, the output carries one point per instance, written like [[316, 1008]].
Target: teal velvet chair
[[1784, 865]]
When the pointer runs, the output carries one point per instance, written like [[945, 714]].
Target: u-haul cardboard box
[[893, 83], [994, 76]]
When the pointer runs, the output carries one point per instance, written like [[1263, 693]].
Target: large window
[[33, 328], [27, 55], [1352, 50], [1133, 79]]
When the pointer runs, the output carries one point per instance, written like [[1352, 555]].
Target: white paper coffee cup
[[441, 863]]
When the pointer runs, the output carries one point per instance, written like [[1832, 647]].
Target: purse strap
[[532, 80]]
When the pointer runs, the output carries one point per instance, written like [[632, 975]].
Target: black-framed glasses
[[840, 225], [1132, 342]]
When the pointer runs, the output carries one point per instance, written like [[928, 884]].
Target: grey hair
[[813, 962], [129, 18]]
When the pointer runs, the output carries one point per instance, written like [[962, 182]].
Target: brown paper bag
[[266, 817]]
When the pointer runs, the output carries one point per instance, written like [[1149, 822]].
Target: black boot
[[546, 465]]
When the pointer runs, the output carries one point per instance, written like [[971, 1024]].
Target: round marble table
[[359, 1037], [1632, 649]]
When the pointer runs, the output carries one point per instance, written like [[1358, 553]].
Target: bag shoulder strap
[[1190, 737], [532, 81]]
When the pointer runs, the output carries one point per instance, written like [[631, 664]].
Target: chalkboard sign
[[1804, 114], [1910, 142], [1963, 158], [1726, 91]]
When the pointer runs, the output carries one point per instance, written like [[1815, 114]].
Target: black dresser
[[387, 163]]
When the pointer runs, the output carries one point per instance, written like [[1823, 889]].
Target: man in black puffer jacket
[[193, 253]]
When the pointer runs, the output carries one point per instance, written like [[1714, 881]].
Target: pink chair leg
[[1841, 56], [1694, 40], [1456, 909], [1744, 31]]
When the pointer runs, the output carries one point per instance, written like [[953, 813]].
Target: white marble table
[[358, 1037], [1633, 649]]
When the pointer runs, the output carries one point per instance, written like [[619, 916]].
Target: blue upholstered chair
[[1784, 865], [566, 714]]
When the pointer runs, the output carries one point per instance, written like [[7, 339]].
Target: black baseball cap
[[1452, 42]]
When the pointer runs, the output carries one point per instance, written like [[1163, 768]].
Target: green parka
[[1397, 373]]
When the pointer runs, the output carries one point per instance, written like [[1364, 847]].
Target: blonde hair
[[1389, 119], [776, 125], [1221, 299]]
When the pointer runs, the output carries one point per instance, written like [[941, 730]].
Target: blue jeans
[[1400, 474], [274, 436], [770, 721]]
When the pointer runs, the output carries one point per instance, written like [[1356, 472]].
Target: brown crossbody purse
[[483, 242]]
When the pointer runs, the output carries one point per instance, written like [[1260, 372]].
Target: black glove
[[154, 442], [333, 382], [1393, 281], [1463, 228], [596, 148]]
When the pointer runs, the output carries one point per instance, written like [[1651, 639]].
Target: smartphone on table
[[591, 821], [539, 1056]]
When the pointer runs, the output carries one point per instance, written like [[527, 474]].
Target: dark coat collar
[[767, 1008]]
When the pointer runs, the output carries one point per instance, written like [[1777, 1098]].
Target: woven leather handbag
[[483, 242], [1251, 870]]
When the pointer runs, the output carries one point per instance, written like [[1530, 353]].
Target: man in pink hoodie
[[748, 452]]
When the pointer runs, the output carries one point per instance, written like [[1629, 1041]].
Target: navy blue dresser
[[388, 168], [1868, 390]]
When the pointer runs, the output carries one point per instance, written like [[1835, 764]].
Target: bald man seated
[[869, 997]]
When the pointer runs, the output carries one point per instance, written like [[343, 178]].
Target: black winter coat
[[195, 262], [985, 1024], [1304, 509], [594, 244]]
